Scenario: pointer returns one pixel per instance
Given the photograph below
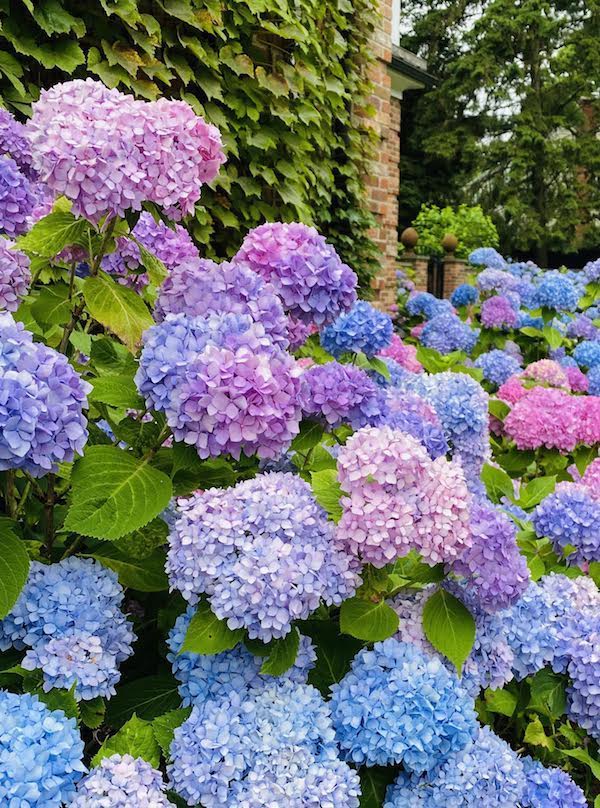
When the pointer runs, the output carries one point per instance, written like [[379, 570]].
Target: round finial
[[449, 243], [409, 238]]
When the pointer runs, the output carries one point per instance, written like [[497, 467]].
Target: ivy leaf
[[147, 698], [135, 738], [116, 391], [548, 693], [164, 727], [535, 491], [145, 574], [53, 233], [282, 654], [366, 620], [114, 494], [449, 627], [118, 308], [497, 483], [52, 305], [327, 491], [92, 712], [14, 566], [207, 634], [501, 701]]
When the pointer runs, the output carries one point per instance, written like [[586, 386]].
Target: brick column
[[455, 273]]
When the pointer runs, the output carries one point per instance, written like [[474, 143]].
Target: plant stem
[[23, 500], [49, 514], [11, 494]]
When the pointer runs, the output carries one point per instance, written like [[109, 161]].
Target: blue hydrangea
[[528, 321], [214, 676], [583, 694], [409, 413], [121, 781], [593, 312], [447, 332], [523, 269], [426, 305], [497, 366], [488, 257], [587, 354], [581, 327], [549, 788], [569, 517], [336, 394], [556, 291], [464, 295], [41, 754], [591, 271], [398, 705], [17, 198], [364, 328], [593, 377]]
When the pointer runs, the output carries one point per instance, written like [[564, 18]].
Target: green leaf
[[118, 308], [138, 434], [145, 574], [114, 494], [449, 627], [155, 268], [135, 738], [190, 473], [164, 727], [142, 543], [14, 566], [501, 701], [327, 491], [372, 363], [59, 699], [335, 653], [282, 654], [584, 757], [309, 436], [117, 391], [366, 620], [207, 634], [499, 409], [497, 483], [92, 712], [553, 337], [52, 305], [535, 491], [536, 735], [50, 235], [411, 570], [374, 781], [548, 693], [147, 698], [109, 356]]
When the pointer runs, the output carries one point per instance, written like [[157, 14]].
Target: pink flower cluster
[[398, 499], [404, 355], [109, 152], [547, 371], [591, 478]]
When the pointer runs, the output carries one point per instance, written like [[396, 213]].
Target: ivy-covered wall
[[281, 79]]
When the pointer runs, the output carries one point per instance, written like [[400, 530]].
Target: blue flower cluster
[[397, 373], [569, 517], [581, 651], [592, 271], [497, 366], [556, 291], [447, 332], [528, 321], [593, 378], [121, 781], [587, 354], [40, 753], [426, 305], [406, 411], [488, 257], [549, 788], [464, 295], [69, 617], [399, 705], [364, 328], [335, 394]]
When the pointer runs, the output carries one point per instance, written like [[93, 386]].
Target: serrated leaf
[[335, 653], [155, 268], [449, 626], [327, 491], [143, 574], [501, 701], [118, 308], [52, 305], [116, 391], [497, 483], [92, 712], [536, 735], [14, 566], [114, 494], [584, 757], [553, 337], [366, 620], [50, 235], [135, 738], [59, 699], [499, 409], [309, 436], [109, 356], [374, 782], [143, 542], [548, 693], [535, 491], [282, 654], [164, 727], [147, 698], [207, 634]]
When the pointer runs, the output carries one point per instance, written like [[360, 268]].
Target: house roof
[[409, 71]]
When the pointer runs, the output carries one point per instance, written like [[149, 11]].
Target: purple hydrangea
[[14, 142], [121, 781], [202, 287], [398, 705], [569, 517], [42, 751], [592, 271], [337, 394], [464, 295], [214, 676], [262, 551], [497, 280], [108, 152], [364, 328], [582, 327], [15, 276], [488, 257], [447, 332], [42, 400], [497, 366], [499, 312], [411, 414], [549, 787], [426, 305], [556, 291], [222, 384], [17, 198], [583, 694], [315, 286]]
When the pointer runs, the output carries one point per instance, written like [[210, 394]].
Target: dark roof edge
[[412, 71]]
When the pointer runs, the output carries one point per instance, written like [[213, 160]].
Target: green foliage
[[469, 224], [449, 627], [281, 654], [368, 620], [207, 634], [135, 738], [14, 566]]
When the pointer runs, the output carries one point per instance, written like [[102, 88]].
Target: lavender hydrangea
[[15, 276], [202, 287], [411, 414], [497, 280], [263, 552], [582, 327], [447, 332], [556, 291], [121, 781], [499, 312], [593, 378], [313, 283], [464, 295], [422, 712], [205, 677], [587, 354], [591, 271], [569, 517], [364, 328], [222, 384], [426, 305], [488, 257], [17, 198], [549, 787], [14, 142], [583, 694], [497, 366], [42, 751], [337, 394], [42, 400]]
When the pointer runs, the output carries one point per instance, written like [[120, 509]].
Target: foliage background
[[281, 79]]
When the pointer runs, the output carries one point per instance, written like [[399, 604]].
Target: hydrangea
[[464, 295], [14, 142], [587, 354], [488, 257], [42, 400], [493, 567], [313, 283], [17, 198], [404, 355], [262, 551], [549, 787], [398, 705], [582, 328], [587, 413], [41, 758], [497, 366], [213, 676], [512, 390], [364, 328], [527, 321], [547, 371], [411, 414], [222, 384], [498, 312], [298, 332], [593, 379], [121, 781], [15, 276], [69, 615], [583, 694], [569, 517], [426, 305], [398, 499], [497, 280], [544, 416], [447, 332], [108, 152], [337, 394], [172, 247], [592, 271], [201, 287], [556, 291], [591, 478], [579, 382], [397, 374]]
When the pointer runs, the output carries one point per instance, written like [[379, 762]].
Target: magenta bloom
[[545, 416], [404, 355], [15, 276], [577, 379], [591, 478], [512, 390], [547, 371], [498, 312]]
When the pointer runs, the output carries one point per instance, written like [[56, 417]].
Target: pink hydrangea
[[415, 331], [398, 499], [404, 355], [591, 478], [577, 379], [547, 371], [544, 416], [587, 413], [512, 390]]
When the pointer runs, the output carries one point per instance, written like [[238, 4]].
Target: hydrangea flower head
[[447, 332], [405, 355], [121, 781], [497, 280], [583, 694], [547, 371], [488, 257], [556, 291], [582, 327], [17, 198], [15, 276], [544, 416], [549, 787], [337, 394], [14, 142], [592, 271], [426, 305], [579, 382], [591, 478], [498, 312], [364, 328], [42, 753], [569, 517], [464, 295], [497, 366], [587, 354], [409, 413], [593, 380], [314, 285], [423, 713]]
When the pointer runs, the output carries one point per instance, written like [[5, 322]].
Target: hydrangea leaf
[[282, 654], [584, 757], [449, 626], [116, 391], [535, 491], [14, 566], [164, 727], [366, 620], [118, 308], [145, 574], [147, 698], [497, 483], [548, 694], [327, 491], [374, 781], [155, 268], [114, 494], [59, 699], [207, 634], [500, 701], [50, 235], [52, 305], [135, 738], [536, 735], [92, 712], [499, 409], [309, 436], [335, 653]]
